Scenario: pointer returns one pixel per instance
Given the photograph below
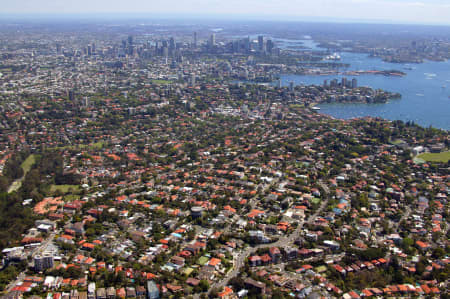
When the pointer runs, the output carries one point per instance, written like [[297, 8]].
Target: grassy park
[[64, 188], [435, 157]]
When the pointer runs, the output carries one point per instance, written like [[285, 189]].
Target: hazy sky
[[409, 11]]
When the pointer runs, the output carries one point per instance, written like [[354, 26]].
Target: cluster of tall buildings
[[170, 47], [345, 83], [247, 46]]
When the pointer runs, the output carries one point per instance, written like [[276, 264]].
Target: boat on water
[[409, 67], [335, 56], [315, 108]]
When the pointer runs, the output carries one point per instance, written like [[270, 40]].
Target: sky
[[397, 11]]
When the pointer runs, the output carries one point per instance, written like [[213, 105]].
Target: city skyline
[[397, 11]]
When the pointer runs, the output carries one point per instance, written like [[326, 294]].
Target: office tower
[[195, 39], [235, 46], [212, 41], [89, 50], [172, 43], [344, 82], [247, 44], [261, 43], [93, 48], [58, 48], [325, 83], [165, 52], [334, 83], [291, 86], [192, 79], [130, 40], [279, 83], [354, 83], [42, 262], [270, 45]]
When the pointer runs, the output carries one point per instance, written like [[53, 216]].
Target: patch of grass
[[97, 145], [397, 141], [64, 188], [71, 197], [28, 163], [315, 200], [161, 82], [419, 161], [15, 186], [26, 167], [443, 157], [202, 260], [188, 271]]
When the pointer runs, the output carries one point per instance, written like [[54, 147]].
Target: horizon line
[[207, 17]]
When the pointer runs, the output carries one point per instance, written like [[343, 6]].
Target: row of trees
[[12, 170]]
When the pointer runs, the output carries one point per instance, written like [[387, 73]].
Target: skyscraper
[[269, 46], [58, 48], [261, 43], [291, 86], [334, 83], [212, 40], [195, 39], [165, 52], [247, 44]]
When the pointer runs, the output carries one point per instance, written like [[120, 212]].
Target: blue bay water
[[425, 90]]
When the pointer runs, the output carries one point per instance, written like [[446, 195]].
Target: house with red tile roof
[[226, 293]]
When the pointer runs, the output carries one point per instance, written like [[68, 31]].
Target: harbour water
[[425, 90]]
